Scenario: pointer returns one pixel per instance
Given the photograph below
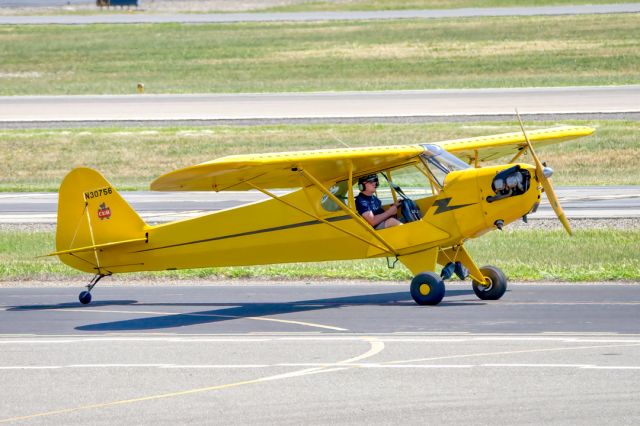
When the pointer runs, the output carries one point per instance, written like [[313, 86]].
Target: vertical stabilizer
[[92, 213]]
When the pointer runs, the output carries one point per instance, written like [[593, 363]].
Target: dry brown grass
[[132, 158]]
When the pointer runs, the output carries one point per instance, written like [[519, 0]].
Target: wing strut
[[326, 222], [521, 151], [350, 212]]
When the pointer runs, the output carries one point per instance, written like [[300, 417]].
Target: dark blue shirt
[[365, 203]]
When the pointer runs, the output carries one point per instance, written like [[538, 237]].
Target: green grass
[[590, 255], [132, 158], [320, 56], [424, 4]]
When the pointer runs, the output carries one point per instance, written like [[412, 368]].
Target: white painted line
[[322, 367], [538, 365], [613, 338], [229, 366], [31, 367], [612, 367], [516, 352], [305, 324]]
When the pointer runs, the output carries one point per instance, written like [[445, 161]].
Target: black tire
[[498, 284], [84, 297], [427, 288]]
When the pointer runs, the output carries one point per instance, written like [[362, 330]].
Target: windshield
[[440, 162]]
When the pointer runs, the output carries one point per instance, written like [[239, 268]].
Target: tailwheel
[[427, 288], [84, 297], [497, 284]]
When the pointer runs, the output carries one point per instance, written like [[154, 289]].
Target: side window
[[340, 191], [412, 179]]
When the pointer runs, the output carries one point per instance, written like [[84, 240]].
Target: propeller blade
[[546, 183], [555, 204]]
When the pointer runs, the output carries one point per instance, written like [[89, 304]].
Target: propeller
[[544, 173]]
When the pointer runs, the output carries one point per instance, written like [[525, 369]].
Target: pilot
[[370, 207]]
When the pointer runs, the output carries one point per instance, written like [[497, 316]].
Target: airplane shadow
[[251, 310], [228, 311]]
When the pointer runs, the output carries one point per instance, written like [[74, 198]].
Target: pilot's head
[[369, 178]]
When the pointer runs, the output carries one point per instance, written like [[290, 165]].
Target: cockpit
[[421, 179], [440, 162]]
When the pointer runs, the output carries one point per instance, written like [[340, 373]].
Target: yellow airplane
[[457, 199]]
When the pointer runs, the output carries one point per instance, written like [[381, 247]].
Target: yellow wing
[[280, 170], [486, 148]]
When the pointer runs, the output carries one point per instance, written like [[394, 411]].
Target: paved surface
[[318, 354], [554, 100], [295, 307], [155, 207], [141, 17]]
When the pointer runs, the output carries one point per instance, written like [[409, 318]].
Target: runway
[[139, 16], [322, 105], [318, 353]]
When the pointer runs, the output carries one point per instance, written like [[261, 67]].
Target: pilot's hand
[[393, 209]]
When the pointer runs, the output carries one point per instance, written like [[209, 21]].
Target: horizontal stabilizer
[[97, 247]]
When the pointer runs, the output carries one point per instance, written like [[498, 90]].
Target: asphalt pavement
[[292, 353], [392, 103], [140, 16]]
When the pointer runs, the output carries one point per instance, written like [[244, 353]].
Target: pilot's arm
[[376, 219]]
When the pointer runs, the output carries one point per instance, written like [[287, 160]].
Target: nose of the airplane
[[512, 191]]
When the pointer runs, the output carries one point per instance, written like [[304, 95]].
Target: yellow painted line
[[374, 349], [377, 346], [306, 324], [524, 351], [134, 400]]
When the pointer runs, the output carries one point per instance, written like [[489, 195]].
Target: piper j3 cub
[[98, 232]]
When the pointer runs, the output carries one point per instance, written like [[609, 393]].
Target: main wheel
[[85, 297], [497, 286], [427, 288]]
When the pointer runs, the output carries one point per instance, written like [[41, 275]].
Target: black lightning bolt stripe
[[443, 205], [243, 234]]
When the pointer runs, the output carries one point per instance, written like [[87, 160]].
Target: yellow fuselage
[[274, 232]]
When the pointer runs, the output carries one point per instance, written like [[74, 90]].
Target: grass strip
[[353, 5], [132, 158], [524, 255], [320, 56]]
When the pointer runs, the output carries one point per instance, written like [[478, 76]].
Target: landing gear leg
[[85, 296]]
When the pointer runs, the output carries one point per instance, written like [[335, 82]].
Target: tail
[[92, 216]]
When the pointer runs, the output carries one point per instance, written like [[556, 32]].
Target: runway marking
[[570, 303], [578, 366], [377, 346], [326, 366], [524, 351], [403, 337], [373, 349], [306, 324]]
